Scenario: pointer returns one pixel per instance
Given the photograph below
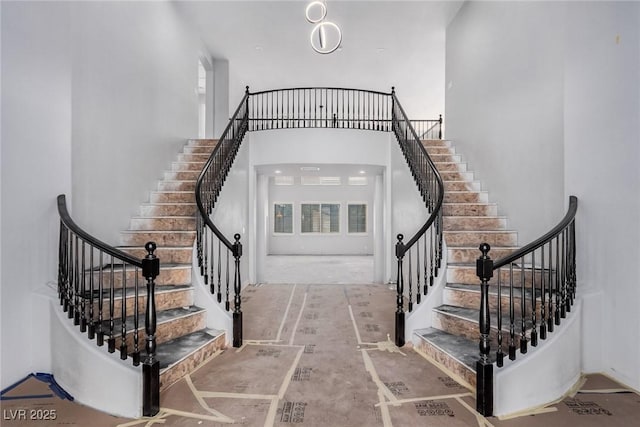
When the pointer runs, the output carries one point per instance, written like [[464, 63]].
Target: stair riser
[[193, 157], [204, 149], [468, 276], [177, 238], [461, 186], [469, 209], [456, 176], [436, 143], [166, 255], [177, 186], [181, 175], [165, 331], [465, 197], [167, 223], [449, 158], [201, 142], [439, 150], [173, 197], [460, 298], [448, 362], [171, 276], [474, 223], [184, 166], [182, 209], [468, 238], [470, 330], [451, 167], [164, 301], [176, 372], [470, 255]]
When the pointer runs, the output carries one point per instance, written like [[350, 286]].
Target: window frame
[[293, 217], [321, 233], [366, 217]]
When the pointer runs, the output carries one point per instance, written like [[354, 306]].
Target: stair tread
[[493, 289], [173, 351], [472, 315], [160, 289], [162, 316], [460, 348]]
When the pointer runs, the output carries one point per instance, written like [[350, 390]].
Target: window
[[357, 218], [320, 180], [283, 218], [320, 218], [283, 180], [358, 180]]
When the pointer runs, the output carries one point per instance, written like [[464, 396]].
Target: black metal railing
[[323, 108], [213, 249], [540, 282], [99, 288], [423, 251]]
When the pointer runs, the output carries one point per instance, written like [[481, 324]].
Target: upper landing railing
[[325, 107]]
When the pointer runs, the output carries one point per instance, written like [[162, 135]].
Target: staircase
[[184, 341], [469, 220]]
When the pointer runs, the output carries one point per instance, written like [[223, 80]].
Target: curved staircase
[[184, 341], [469, 220]]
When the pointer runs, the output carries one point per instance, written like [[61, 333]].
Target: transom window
[[320, 218]]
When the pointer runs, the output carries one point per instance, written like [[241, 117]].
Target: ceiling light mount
[[325, 36]]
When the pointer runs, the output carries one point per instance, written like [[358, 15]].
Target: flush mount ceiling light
[[325, 36]]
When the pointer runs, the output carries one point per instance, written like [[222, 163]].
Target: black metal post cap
[[485, 248], [236, 237], [400, 236], [150, 247]]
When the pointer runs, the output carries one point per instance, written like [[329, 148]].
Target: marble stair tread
[[171, 352], [464, 350], [162, 316], [130, 291], [472, 315], [493, 290]]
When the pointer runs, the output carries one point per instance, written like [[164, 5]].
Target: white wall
[[97, 99], [135, 68], [584, 62], [602, 157], [504, 106], [36, 167]]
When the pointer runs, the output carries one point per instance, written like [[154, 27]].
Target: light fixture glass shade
[[325, 37]]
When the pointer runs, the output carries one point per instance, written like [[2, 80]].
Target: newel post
[[484, 368], [237, 300], [400, 249], [440, 127], [151, 365]]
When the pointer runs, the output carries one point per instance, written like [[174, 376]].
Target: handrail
[[431, 187], [541, 280], [208, 187], [569, 216], [321, 107], [80, 260]]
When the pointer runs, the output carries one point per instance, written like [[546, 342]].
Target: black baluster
[[523, 309], [219, 272], [484, 368], [512, 321], [550, 314], [100, 329], [543, 302], [557, 290], [400, 249], [563, 277], [226, 304], [111, 342], [440, 127], [91, 324], [83, 291], [151, 365], [237, 300], [500, 352], [136, 321], [76, 283], [534, 326], [418, 293], [123, 314], [426, 266], [410, 284], [212, 284]]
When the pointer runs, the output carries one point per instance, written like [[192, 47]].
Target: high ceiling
[[385, 43]]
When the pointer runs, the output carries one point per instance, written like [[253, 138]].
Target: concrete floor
[[315, 269]]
